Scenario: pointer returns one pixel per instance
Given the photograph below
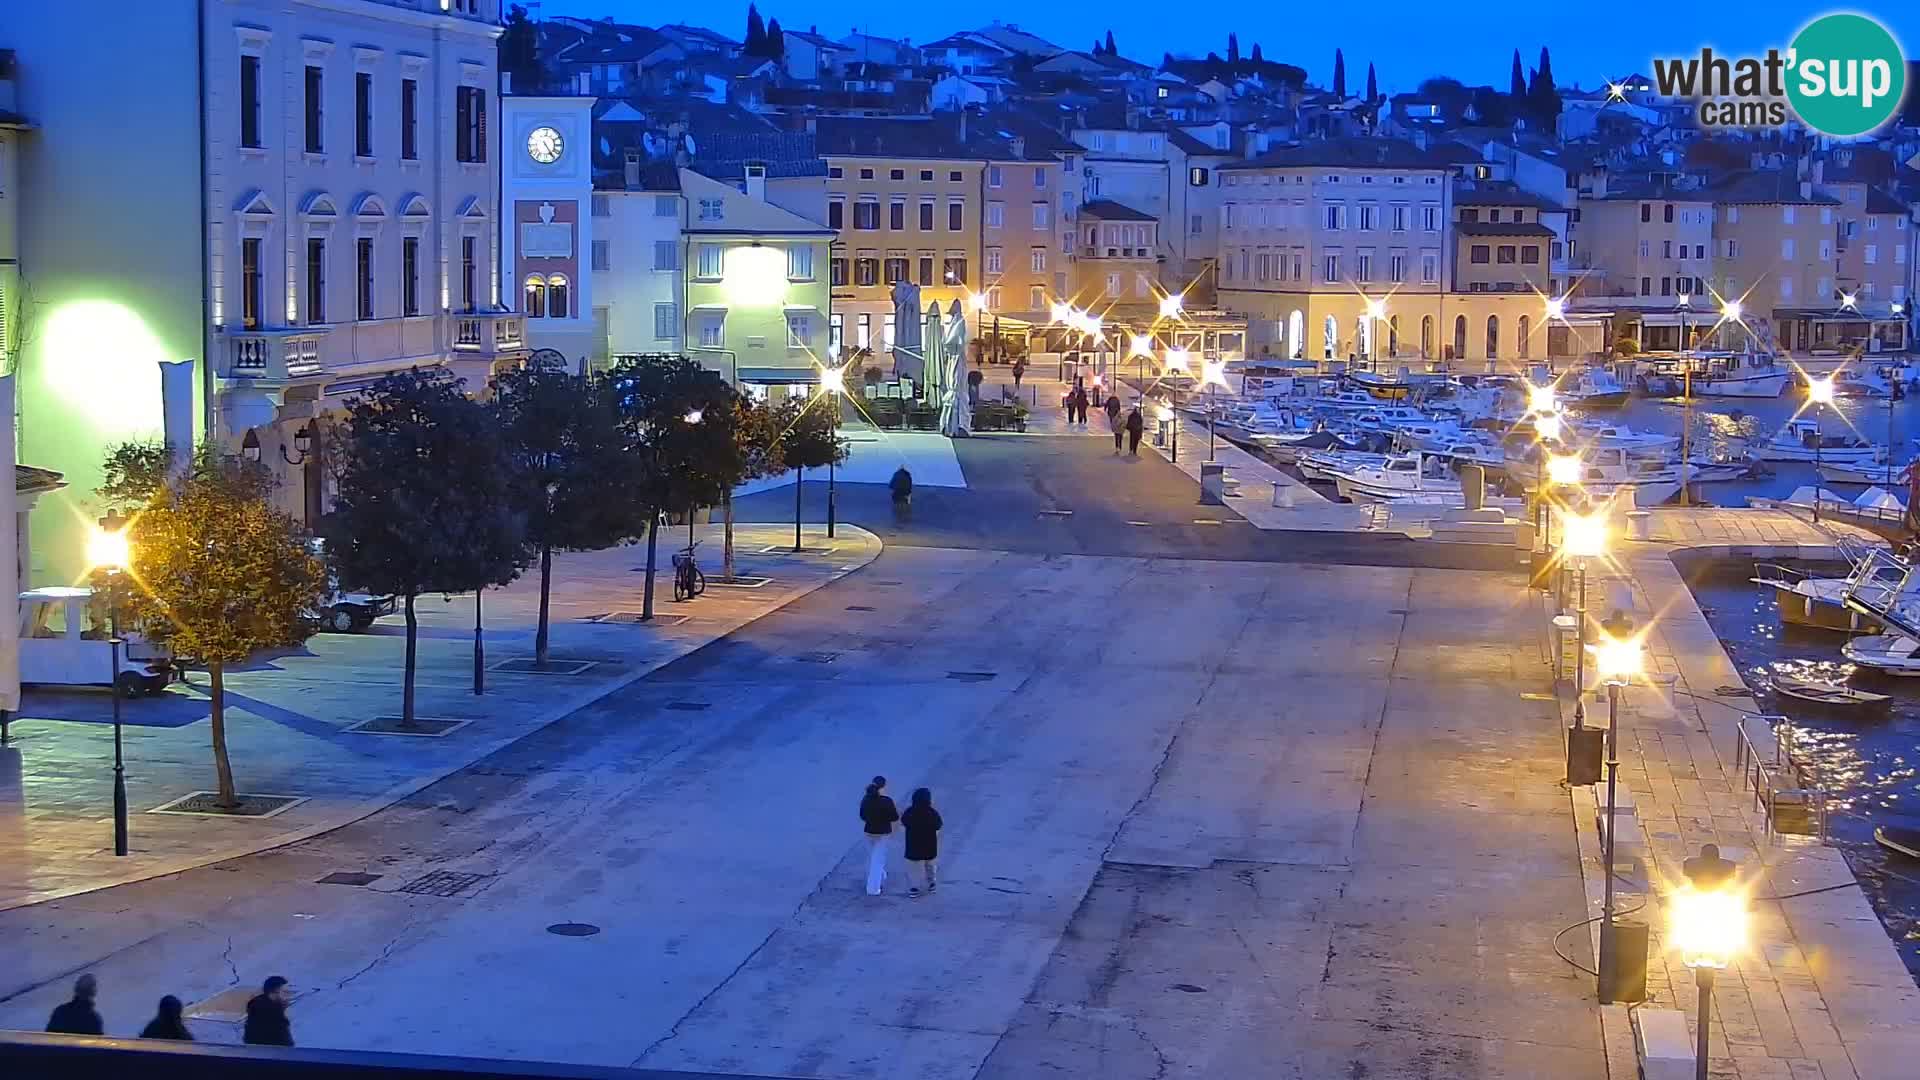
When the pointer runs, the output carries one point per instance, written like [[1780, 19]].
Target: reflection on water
[[1870, 765]]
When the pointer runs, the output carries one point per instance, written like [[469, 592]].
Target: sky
[[1408, 42]]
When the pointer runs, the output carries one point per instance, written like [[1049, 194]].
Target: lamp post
[[833, 381], [1616, 662], [1708, 922], [1820, 393], [1177, 360], [1582, 537], [1214, 373], [1686, 402], [107, 550]]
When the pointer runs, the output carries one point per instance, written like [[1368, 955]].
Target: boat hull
[[1831, 455], [1599, 401], [1819, 613], [1758, 386], [1889, 654]]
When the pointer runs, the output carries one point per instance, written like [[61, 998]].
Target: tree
[[1492, 108], [519, 53], [572, 475], [1543, 98], [1452, 97], [1257, 58], [1233, 48], [1111, 51], [809, 440], [425, 500], [776, 41], [1096, 47], [223, 574], [756, 43], [1166, 61], [1339, 74], [1373, 87], [1518, 90], [756, 430]]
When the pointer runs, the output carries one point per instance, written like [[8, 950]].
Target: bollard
[[1473, 486], [1639, 525], [1213, 483]]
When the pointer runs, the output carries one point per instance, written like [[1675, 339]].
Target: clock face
[[543, 145]]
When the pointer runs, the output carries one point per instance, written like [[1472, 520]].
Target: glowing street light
[[1730, 310], [1563, 470], [1819, 393], [1547, 426], [1178, 360], [1541, 399], [1616, 661], [108, 550], [1376, 308], [1584, 536], [1212, 373], [1058, 312], [1140, 345], [1171, 305], [832, 381], [1556, 307], [1849, 301], [1707, 921], [1167, 416]]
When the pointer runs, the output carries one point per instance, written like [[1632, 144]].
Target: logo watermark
[[1842, 75]]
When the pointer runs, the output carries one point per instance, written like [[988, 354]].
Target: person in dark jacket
[[267, 1023], [1114, 420], [922, 825], [877, 815], [167, 1023], [78, 1017], [1136, 424]]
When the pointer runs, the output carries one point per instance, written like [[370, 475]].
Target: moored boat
[[1802, 440], [1826, 697], [1888, 653], [1899, 839], [1820, 602]]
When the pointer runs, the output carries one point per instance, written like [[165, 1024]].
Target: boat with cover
[[1896, 649], [1748, 375], [1802, 440], [1592, 388], [1819, 603]]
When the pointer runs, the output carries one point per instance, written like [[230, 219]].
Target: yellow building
[[904, 199], [1645, 237], [1774, 251], [1115, 258], [757, 297]]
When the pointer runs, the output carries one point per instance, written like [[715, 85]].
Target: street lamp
[[108, 550], [1563, 470], [1168, 417], [1820, 393], [1541, 400], [1213, 373], [1171, 305], [832, 381], [1582, 537], [1616, 661], [1708, 922], [1556, 307]]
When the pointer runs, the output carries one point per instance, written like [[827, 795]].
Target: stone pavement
[[287, 713], [1820, 993]]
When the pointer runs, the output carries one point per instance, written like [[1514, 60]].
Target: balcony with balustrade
[[489, 335], [272, 358]]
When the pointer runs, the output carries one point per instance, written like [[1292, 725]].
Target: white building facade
[[638, 259], [547, 227]]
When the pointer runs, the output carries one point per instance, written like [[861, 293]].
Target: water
[[1872, 766], [1716, 429]]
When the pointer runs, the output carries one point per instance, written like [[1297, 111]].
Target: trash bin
[[1639, 525], [1160, 430], [1213, 483]]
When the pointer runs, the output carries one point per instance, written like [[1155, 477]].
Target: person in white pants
[[877, 815]]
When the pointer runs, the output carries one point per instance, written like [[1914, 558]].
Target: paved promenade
[[1821, 993], [288, 714]]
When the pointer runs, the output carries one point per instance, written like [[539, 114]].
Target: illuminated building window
[[556, 296], [535, 302]]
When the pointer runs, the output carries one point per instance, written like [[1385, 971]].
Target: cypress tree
[[1373, 86], [756, 44], [1339, 74], [1233, 48], [1111, 51], [1518, 89]]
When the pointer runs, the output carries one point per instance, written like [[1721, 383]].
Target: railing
[[278, 354], [489, 332], [1785, 771]]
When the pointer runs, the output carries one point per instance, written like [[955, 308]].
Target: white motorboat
[[1592, 388], [1880, 469], [1399, 476], [1620, 435], [1867, 384], [1390, 418], [1321, 465], [1288, 449], [1260, 417], [1749, 375], [1604, 471], [1484, 452], [1803, 599], [1891, 654], [1802, 440]]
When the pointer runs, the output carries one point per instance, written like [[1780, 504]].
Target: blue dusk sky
[[1406, 41]]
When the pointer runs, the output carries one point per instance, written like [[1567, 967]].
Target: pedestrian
[[267, 1023], [167, 1023], [78, 1017], [922, 825], [1136, 425], [1117, 422], [1019, 369], [1113, 408], [877, 815]]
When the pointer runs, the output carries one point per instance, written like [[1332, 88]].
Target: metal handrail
[[1763, 777]]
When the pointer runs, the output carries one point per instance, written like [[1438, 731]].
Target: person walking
[[1117, 422], [1019, 370], [922, 825], [1136, 426], [167, 1023], [877, 815], [78, 1016], [267, 1023]]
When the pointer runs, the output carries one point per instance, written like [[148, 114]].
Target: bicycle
[[688, 581]]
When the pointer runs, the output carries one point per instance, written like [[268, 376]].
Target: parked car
[[64, 641], [347, 611]]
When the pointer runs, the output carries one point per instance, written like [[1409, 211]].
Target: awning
[[780, 375]]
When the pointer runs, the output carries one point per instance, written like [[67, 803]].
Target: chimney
[[633, 168], [963, 125], [757, 182]]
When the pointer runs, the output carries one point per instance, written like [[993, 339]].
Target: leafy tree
[[1518, 89], [756, 430], [519, 52], [1452, 97], [756, 43], [1111, 51], [809, 440], [573, 477], [1542, 96], [223, 573], [426, 498], [1493, 108], [1233, 48], [1339, 74], [776, 41], [1166, 61]]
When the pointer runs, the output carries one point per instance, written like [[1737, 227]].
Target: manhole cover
[[970, 676], [738, 582], [424, 726], [889, 583], [1396, 611], [858, 607], [448, 883], [637, 618], [207, 804], [1056, 513], [525, 665], [689, 706], [573, 929], [1189, 988], [817, 657], [342, 877]]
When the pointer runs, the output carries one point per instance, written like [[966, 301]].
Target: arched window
[[535, 304], [1393, 335], [1426, 337], [1459, 337], [1363, 337], [1296, 335], [1526, 325], [1493, 337], [557, 296], [1330, 337]]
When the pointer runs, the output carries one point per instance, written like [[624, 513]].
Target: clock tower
[[546, 172]]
